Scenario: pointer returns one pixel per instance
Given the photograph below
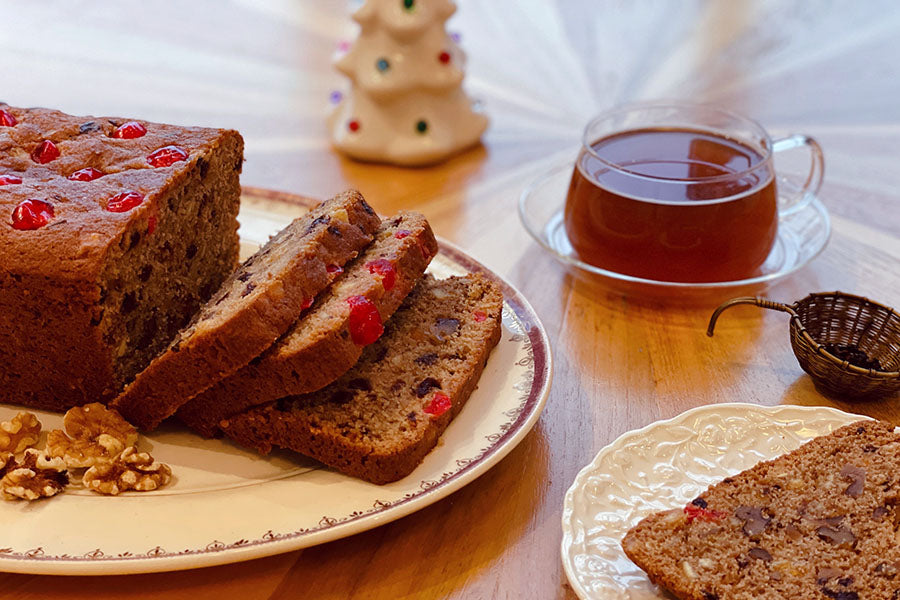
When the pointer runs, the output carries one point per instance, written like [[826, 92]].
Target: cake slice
[[819, 522], [380, 419], [254, 306], [326, 341], [113, 232]]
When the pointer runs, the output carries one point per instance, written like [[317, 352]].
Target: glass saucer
[[802, 235]]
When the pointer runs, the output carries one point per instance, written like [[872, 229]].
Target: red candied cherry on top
[[167, 156], [385, 271], [129, 131], [124, 201], [45, 152], [439, 404], [86, 174], [365, 323], [7, 119], [32, 214], [10, 179]]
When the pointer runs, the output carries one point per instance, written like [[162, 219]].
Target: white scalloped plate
[[228, 504], [663, 466]]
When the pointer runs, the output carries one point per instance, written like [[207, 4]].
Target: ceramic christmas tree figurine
[[406, 104]]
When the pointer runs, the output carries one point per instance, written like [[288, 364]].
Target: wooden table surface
[[831, 70]]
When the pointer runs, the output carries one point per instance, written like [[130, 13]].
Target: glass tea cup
[[680, 193]]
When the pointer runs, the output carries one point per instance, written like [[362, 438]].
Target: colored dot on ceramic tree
[[409, 4], [353, 125], [444, 57], [382, 65], [335, 97], [422, 126]]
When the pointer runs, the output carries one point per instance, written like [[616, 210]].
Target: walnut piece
[[95, 434], [130, 470], [35, 476], [19, 433]]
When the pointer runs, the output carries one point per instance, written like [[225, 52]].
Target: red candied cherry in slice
[[334, 269], [480, 316], [365, 322], [402, 233], [440, 403], [694, 512], [125, 201], [7, 119], [307, 302], [87, 174], [45, 152], [10, 179], [129, 131], [385, 270], [167, 156], [32, 214]]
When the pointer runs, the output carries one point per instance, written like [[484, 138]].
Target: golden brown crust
[[380, 419], [319, 348], [252, 308]]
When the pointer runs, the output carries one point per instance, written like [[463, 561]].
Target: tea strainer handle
[[761, 302]]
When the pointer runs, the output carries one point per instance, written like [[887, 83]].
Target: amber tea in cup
[[678, 193]]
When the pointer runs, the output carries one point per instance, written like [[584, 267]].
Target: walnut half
[[19, 433], [95, 434], [130, 470], [35, 476]]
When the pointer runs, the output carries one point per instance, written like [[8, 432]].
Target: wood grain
[[542, 68]]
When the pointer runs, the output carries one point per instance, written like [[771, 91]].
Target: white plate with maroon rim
[[227, 504], [662, 466]]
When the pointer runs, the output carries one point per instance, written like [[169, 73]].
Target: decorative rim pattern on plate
[[802, 235], [521, 327], [664, 465]]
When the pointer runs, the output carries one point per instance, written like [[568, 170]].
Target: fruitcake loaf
[[380, 419], [255, 305], [819, 522], [328, 338], [113, 232]]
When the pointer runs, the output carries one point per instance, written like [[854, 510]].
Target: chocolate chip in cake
[[250, 287], [699, 502], [244, 276], [316, 222], [426, 385], [191, 251], [367, 208], [334, 231], [427, 359], [88, 127]]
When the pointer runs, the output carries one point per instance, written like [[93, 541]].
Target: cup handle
[[799, 199]]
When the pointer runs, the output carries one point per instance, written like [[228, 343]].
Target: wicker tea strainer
[[849, 345]]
